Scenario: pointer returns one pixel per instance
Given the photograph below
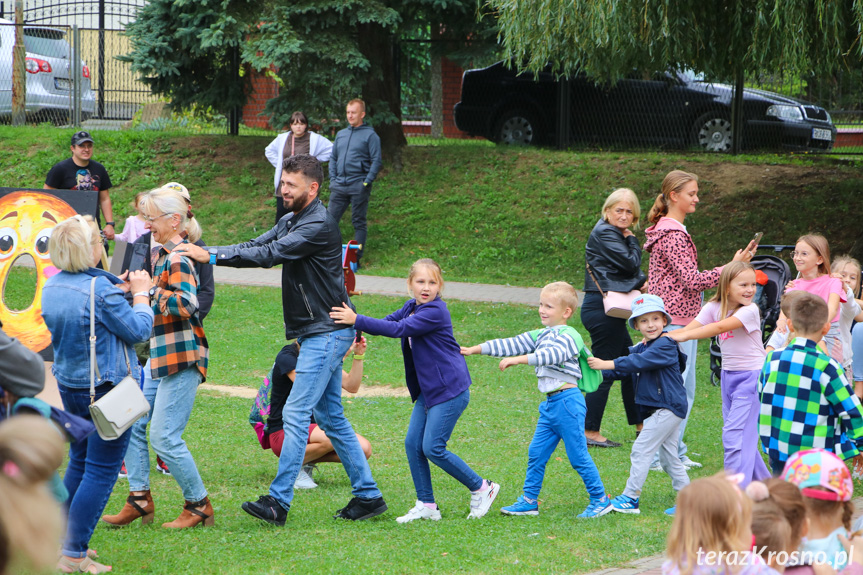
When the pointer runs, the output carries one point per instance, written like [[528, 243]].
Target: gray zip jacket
[[356, 156]]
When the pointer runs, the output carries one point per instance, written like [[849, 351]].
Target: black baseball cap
[[79, 138]]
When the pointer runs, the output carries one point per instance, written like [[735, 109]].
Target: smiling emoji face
[[26, 222]]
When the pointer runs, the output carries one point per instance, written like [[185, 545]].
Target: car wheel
[[712, 132], [516, 127]]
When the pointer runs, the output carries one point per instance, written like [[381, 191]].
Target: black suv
[[673, 109]]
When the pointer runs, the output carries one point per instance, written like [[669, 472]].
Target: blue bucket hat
[[646, 304]]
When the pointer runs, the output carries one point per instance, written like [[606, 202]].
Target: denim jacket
[[66, 310]]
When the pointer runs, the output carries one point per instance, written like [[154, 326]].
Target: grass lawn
[[244, 330], [487, 213]]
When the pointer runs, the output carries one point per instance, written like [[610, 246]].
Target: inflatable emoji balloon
[[26, 222]]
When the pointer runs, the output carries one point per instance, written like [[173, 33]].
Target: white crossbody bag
[[116, 411]]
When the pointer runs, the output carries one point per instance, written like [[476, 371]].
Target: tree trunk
[[381, 90], [19, 74]]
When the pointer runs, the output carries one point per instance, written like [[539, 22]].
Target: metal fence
[[660, 111]]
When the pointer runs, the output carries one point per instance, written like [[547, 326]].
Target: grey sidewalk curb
[[389, 286]]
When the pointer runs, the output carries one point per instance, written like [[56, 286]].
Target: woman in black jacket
[[614, 258]]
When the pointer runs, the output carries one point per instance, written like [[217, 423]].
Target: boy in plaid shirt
[[806, 400]]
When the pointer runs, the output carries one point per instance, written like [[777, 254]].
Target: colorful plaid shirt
[[178, 340], [806, 402]]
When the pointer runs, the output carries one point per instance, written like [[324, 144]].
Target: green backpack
[[590, 378]]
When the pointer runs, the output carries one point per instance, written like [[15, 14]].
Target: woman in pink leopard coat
[[673, 271]]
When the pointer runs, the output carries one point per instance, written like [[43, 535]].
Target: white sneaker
[[656, 466], [688, 463], [304, 480], [419, 511], [480, 501]]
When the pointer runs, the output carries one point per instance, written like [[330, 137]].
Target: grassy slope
[[488, 214]]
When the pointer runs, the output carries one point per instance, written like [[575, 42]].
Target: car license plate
[[821, 134], [66, 84]]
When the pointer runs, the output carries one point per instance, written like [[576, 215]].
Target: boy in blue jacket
[[554, 353], [655, 366]]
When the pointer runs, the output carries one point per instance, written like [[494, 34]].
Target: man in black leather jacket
[[308, 244]]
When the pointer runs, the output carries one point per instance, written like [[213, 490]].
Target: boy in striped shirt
[[553, 351]]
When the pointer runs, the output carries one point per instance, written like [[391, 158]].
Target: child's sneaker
[[656, 466], [625, 504], [304, 480], [688, 463], [123, 473], [671, 511], [162, 467], [596, 508], [480, 501], [857, 471], [419, 511], [521, 507]]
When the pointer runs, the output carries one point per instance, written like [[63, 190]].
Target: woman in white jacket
[[299, 140]]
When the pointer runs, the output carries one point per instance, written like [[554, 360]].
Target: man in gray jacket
[[354, 165]]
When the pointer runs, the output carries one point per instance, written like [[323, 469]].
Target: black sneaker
[[266, 508], [359, 509]]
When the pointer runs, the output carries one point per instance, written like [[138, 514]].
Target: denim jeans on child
[[318, 387], [428, 433], [690, 348], [171, 400], [561, 416], [91, 473]]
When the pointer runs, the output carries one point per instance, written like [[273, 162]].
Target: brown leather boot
[[194, 513], [133, 510]]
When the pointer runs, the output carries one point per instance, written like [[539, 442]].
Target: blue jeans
[[690, 348], [138, 452], [318, 388], [171, 399], [428, 432], [561, 416], [93, 466], [358, 196]]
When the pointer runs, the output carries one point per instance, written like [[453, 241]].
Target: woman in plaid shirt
[[178, 358]]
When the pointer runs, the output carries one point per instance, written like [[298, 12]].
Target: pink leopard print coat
[[673, 270]]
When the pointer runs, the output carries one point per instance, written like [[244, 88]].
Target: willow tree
[[725, 39]]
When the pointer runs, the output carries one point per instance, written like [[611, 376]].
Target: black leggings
[[609, 340]]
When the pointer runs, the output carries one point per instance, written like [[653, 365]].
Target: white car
[[49, 77]]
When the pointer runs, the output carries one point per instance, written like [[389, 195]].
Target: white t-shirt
[[742, 348], [848, 310]]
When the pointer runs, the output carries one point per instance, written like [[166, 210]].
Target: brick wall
[[259, 89]]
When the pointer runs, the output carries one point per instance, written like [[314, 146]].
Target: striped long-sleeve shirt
[[178, 340], [551, 350]]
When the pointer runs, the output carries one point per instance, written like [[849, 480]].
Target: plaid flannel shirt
[[178, 340], [806, 402]]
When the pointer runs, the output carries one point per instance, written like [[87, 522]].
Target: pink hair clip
[[11, 469]]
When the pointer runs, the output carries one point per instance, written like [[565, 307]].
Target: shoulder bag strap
[[599, 287], [94, 368]]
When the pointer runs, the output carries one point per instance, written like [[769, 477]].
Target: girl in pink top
[[673, 270], [134, 226], [812, 258], [732, 316]]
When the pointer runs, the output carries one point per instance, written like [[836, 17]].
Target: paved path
[[388, 286]]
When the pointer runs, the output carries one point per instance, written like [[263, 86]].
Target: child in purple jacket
[[438, 380]]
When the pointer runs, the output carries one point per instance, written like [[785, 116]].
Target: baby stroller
[[767, 298]]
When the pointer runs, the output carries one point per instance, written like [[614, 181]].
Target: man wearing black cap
[[81, 173]]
